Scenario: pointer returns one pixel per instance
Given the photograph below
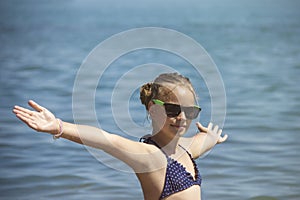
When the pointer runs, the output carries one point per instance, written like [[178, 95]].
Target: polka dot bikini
[[177, 178]]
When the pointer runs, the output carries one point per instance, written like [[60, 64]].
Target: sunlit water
[[255, 45]]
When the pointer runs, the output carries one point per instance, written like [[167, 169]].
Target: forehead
[[182, 95]]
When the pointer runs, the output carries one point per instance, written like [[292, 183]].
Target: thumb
[[35, 106], [201, 128]]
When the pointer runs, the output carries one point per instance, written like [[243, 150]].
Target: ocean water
[[255, 45]]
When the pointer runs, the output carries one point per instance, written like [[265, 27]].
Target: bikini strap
[[182, 147], [193, 161], [148, 140], [190, 155]]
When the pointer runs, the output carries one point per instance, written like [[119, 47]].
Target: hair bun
[[146, 93]]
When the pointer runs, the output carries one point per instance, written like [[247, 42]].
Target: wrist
[[60, 129]]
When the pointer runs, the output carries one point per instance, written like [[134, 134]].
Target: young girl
[[164, 161]]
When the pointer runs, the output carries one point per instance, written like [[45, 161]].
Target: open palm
[[39, 119], [213, 133]]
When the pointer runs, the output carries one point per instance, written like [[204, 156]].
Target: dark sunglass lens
[[191, 112], [172, 110]]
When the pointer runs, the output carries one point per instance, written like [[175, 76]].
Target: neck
[[168, 144]]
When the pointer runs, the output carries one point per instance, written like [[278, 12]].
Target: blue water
[[255, 45]]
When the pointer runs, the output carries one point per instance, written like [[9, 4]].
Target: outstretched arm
[[205, 140], [42, 120]]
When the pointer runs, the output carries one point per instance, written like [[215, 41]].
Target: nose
[[182, 116]]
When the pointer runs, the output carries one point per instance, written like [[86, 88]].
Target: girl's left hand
[[214, 132]]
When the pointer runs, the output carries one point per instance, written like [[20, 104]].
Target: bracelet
[[60, 129]]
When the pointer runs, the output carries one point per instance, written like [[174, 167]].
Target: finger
[[29, 116], [24, 112], [23, 118], [201, 128], [210, 125], [21, 109], [220, 132], [27, 121], [35, 106], [222, 139], [216, 128]]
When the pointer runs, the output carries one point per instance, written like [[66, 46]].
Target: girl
[[164, 162]]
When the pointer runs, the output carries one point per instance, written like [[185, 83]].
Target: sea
[[253, 48]]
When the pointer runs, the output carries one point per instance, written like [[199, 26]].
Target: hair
[[160, 88]]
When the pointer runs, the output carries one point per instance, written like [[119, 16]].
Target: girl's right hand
[[41, 119]]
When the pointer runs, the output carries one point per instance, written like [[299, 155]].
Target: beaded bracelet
[[60, 129]]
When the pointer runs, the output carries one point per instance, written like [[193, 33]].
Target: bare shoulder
[[191, 144], [140, 156]]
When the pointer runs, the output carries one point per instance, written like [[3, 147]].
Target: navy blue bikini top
[[177, 178]]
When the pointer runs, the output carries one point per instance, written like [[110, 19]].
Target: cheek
[[158, 115], [188, 124]]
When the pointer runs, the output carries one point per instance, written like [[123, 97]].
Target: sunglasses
[[173, 110]]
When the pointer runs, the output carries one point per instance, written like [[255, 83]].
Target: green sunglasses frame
[[159, 102]]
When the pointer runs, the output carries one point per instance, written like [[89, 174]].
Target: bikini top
[[177, 178]]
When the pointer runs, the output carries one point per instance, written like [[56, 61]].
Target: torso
[[154, 186]]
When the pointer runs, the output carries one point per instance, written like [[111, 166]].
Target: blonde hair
[[159, 89]]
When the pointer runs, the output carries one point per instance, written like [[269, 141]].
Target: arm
[[42, 120], [205, 140]]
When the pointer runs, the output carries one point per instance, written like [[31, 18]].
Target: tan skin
[[146, 160]]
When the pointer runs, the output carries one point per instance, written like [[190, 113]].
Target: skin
[[146, 160]]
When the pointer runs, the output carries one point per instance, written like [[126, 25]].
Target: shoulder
[[192, 145], [141, 157]]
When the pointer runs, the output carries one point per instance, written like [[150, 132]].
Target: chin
[[179, 131]]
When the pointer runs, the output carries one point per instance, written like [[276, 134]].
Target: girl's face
[[172, 126]]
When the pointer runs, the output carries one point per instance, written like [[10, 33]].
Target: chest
[[177, 173]]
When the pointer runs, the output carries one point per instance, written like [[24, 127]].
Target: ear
[[154, 109], [149, 105]]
